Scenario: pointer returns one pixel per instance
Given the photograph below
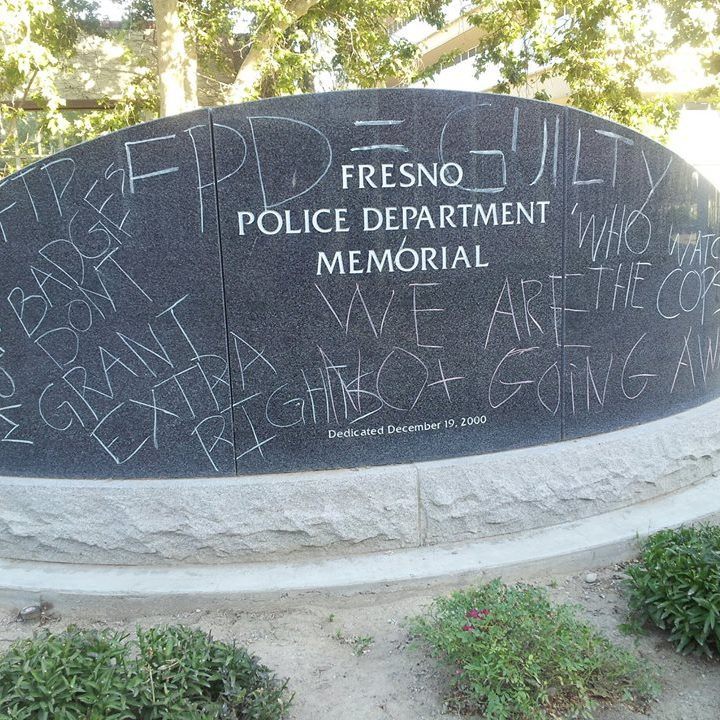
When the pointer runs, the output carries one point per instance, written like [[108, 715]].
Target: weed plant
[[514, 655], [676, 586], [167, 673]]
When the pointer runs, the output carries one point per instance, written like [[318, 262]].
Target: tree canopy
[[224, 51], [602, 50]]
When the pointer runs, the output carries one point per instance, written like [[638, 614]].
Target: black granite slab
[[389, 339], [349, 279], [114, 354], [642, 315]]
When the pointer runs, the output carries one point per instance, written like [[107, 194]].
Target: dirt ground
[[349, 657]]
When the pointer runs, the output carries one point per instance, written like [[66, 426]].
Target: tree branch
[[28, 86], [250, 71]]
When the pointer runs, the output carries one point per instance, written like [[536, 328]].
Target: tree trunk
[[248, 77], [190, 74], [177, 68]]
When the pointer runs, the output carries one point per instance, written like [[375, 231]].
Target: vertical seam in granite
[[421, 530], [563, 284], [222, 286]]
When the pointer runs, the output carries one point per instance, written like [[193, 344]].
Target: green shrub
[[515, 655], [676, 586], [168, 673]]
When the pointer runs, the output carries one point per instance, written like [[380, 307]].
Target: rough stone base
[[342, 512]]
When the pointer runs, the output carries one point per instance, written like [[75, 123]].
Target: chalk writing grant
[[349, 279]]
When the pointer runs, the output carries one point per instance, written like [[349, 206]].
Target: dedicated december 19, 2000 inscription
[[349, 279]]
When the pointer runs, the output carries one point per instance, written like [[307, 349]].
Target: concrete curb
[[561, 548]]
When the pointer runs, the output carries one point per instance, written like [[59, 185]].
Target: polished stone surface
[[349, 279], [642, 288], [114, 355], [440, 320]]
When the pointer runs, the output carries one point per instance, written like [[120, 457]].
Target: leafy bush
[[168, 673], [676, 586], [517, 656]]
